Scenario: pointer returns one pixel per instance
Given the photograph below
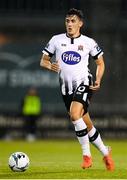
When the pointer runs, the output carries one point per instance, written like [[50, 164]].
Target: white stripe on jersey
[[73, 59]]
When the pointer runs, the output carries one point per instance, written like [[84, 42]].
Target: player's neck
[[73, 35]]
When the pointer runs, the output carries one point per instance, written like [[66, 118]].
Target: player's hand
[[96, 86], [55, 67]]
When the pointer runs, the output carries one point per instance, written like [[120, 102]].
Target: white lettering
[[3, 77], [70, 57], [36, 78]]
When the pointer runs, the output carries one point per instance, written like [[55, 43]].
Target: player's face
[[73, 25]]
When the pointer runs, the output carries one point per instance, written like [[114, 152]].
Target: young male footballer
[[72, 50]]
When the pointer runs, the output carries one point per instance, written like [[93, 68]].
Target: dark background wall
[[25, 28]]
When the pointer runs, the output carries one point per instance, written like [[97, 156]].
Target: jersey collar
[[72, 39]]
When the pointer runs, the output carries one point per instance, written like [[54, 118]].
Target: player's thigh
[[83, 95], [76, 110]]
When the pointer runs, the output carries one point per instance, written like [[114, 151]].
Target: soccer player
[[72, 50]]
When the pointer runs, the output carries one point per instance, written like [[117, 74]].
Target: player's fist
[[55, 67], [96, 85]]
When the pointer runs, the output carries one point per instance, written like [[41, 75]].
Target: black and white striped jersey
[[72, 55]]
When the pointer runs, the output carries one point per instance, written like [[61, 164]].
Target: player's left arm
[[99, 73]]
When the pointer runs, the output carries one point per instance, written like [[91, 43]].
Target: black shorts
[[82, 94]]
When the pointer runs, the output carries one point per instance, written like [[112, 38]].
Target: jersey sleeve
[[50, 47], [95, 51]]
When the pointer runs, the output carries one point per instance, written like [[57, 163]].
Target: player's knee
[[74, 115]]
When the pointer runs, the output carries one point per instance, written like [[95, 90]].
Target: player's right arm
[[46, 63], [48, 52]]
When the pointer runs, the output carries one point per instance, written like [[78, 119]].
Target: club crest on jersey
[[80, 48], [71, 57]]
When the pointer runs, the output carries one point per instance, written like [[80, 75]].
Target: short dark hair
[[76, 12]]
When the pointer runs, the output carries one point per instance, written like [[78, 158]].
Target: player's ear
[[81, 24]]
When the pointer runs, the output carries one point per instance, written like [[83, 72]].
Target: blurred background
[[25, 28]]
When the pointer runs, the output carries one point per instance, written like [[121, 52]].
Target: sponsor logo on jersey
[[47, 45], [71, 57], [63, 44], [98, 48]]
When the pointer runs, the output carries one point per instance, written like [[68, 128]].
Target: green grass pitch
[[61, 159]]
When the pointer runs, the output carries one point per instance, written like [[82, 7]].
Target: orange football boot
[[87, 162], [109, 163]]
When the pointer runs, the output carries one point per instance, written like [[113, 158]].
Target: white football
[[18, 161]]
